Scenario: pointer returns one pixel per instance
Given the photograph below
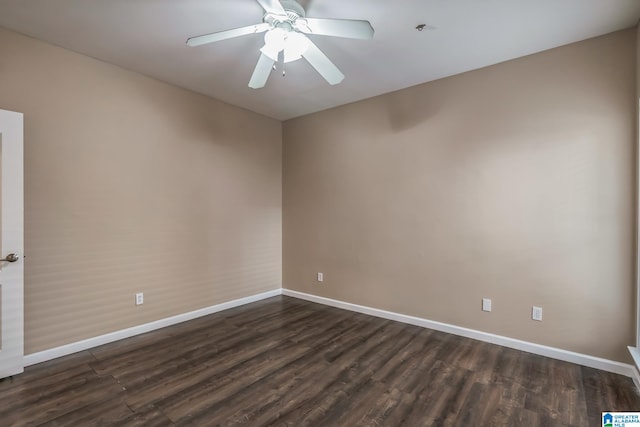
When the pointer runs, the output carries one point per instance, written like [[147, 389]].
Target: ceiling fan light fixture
[[291, 42], [295, 44], [275, 38]]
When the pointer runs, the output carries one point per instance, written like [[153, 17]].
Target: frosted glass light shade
[[295, 44], [273, 43], [292, 43]]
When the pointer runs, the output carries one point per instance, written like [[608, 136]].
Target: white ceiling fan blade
[[322, 64], [272, 6], [224, 35], [261, 72], [349, 28]]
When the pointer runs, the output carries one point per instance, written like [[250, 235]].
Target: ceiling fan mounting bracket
[[293, 8], [293, 12]]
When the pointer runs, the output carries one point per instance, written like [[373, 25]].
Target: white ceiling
[[149, 36]]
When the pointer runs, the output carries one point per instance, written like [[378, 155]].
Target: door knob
[[11, 258]]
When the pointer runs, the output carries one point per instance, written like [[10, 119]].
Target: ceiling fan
[[285, 25]]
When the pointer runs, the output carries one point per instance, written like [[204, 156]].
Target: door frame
[[12, 241]]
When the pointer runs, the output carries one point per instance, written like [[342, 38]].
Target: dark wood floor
[[284, 361]]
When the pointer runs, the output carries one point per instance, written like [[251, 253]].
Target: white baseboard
[[542, 350], [43, 356]]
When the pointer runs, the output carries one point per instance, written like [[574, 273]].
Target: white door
[[11, 245]]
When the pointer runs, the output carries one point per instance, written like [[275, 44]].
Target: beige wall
[[513, 182], [637, 188], [133, 185]]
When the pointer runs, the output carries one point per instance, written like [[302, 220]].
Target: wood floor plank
[[359, 409], [284, 385], [25, 392], [399, 414], [69, 397], [511, 401], [149, 416], [43, 370], [430, 408], [355, 375], [605, 391], [329, 354], [415, 359], [137, 363], [197, 399], [283, 361], [308, 380], [111, 411], [480, 405], [563, 403], [160, 387], [166, 347]]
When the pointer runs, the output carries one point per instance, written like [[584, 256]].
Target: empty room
[[319, 213]]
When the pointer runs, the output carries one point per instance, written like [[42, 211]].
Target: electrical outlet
[[536, 313], [486, 304], [320, 277], [139, 298]]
